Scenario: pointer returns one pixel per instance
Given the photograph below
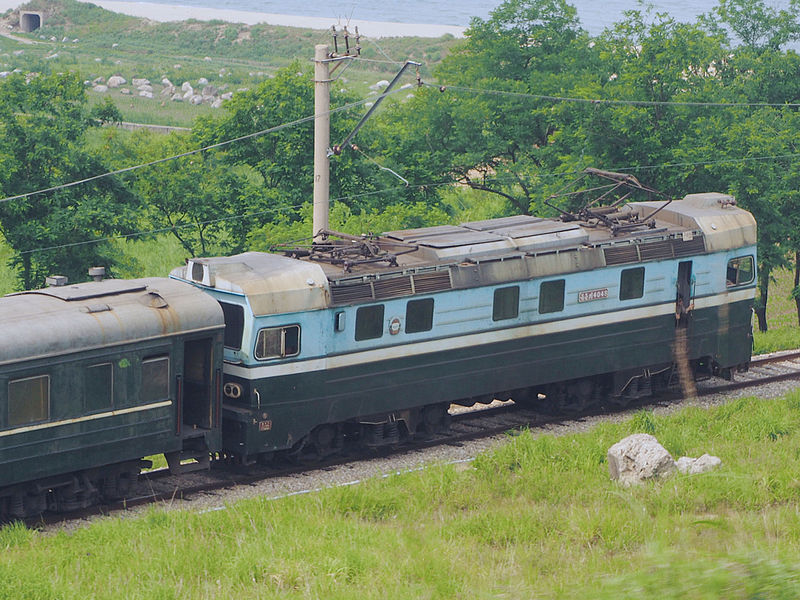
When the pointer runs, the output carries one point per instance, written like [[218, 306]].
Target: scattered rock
[[98, 60], [137, 81], [98, 80], [115, 45], [145, 88], [166, 82], [693, 466], [196, 99], [125, 91], [4, 74], [207, 59], [637, 458], [168, 90], [18, 52], [100, 89], [216, 103], [176, 66], [202, 81], [51, 56], [186, 86], [177, 98], [209, 90], [226, 96], [145, 94], [379, 84], [115, 81]]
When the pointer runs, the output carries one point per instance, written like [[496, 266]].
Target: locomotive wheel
[[327, 439], [571, 397]]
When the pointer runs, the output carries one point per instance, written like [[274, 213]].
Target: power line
[[499, 179], [189, 153], [491, 92]]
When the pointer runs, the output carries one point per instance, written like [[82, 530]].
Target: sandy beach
[[168, 12]]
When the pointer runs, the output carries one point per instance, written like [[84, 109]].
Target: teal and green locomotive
[[364, 339], [372, 338]]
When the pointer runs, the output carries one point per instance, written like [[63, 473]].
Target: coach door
[[684, 295], [198, 384]]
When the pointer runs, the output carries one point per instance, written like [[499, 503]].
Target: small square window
[[28, 400], [551, 296], [419, 315], [155, 380], [506, 303], [278, 342], [631, 283], [369, 322], [741, 271]]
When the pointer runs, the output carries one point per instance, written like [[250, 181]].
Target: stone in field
[[116, 80], [637, 458], [693, 466]]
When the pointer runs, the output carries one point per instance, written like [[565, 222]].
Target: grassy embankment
[[538, 517], [94, 42]]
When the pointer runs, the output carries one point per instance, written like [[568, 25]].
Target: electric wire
[[459, 88], [274, 129]]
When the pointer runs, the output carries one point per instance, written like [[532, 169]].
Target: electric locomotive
[[372, 338]]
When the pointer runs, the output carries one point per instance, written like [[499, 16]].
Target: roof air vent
[[56, 280]]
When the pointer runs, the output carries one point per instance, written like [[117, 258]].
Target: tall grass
[[538, 517]]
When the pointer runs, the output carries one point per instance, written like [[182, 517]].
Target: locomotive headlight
[[232, 390]]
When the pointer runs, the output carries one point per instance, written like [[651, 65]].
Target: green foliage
[[44, 121]]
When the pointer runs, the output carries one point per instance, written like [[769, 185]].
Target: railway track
[[483, 421]]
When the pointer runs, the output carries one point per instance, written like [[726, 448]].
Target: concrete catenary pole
[[322, 137]]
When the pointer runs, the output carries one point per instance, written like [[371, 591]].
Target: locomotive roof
[[414, 261], [56, 320]]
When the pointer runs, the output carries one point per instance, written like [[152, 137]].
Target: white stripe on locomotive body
[[94, 417], [463, 318]]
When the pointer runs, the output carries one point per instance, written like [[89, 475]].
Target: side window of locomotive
[[631, 283], [419, 315], [155, 379], [278, 342], [506, 303], [551, 296], [28, 400], [234, 324], [741, 271], [369, 322], [98, 387]]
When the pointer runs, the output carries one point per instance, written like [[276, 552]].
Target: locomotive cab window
[[155, 379], [506, 303], [419, 315], [28, 400], [234, 324], [369, 322], [740, 271], [278, 342], [98, 387], [551, 296], [631, 283]]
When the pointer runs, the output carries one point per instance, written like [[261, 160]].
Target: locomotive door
[[199, 384], [684, 294]]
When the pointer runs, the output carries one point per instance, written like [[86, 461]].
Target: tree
[[758, 26], [44, 119]]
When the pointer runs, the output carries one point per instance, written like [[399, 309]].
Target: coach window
[[98, 387], [419, 315], [278, 342], [740, 271], [234, 325], [369, 322], [631, 283], [506, 303], [551, 296], [28, 400], [155, 379]]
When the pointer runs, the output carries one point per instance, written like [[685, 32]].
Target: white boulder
[[145, 94], [637, 458], [693, 466], [100, 89], [116, 80], [196, 99], [186, 87], [202, 81], [137, 81]]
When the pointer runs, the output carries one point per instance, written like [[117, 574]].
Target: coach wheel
[[435, 418]]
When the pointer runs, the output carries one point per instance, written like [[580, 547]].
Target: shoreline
[[168, 12]]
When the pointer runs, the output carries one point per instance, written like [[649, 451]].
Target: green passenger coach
[[96, 376]]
